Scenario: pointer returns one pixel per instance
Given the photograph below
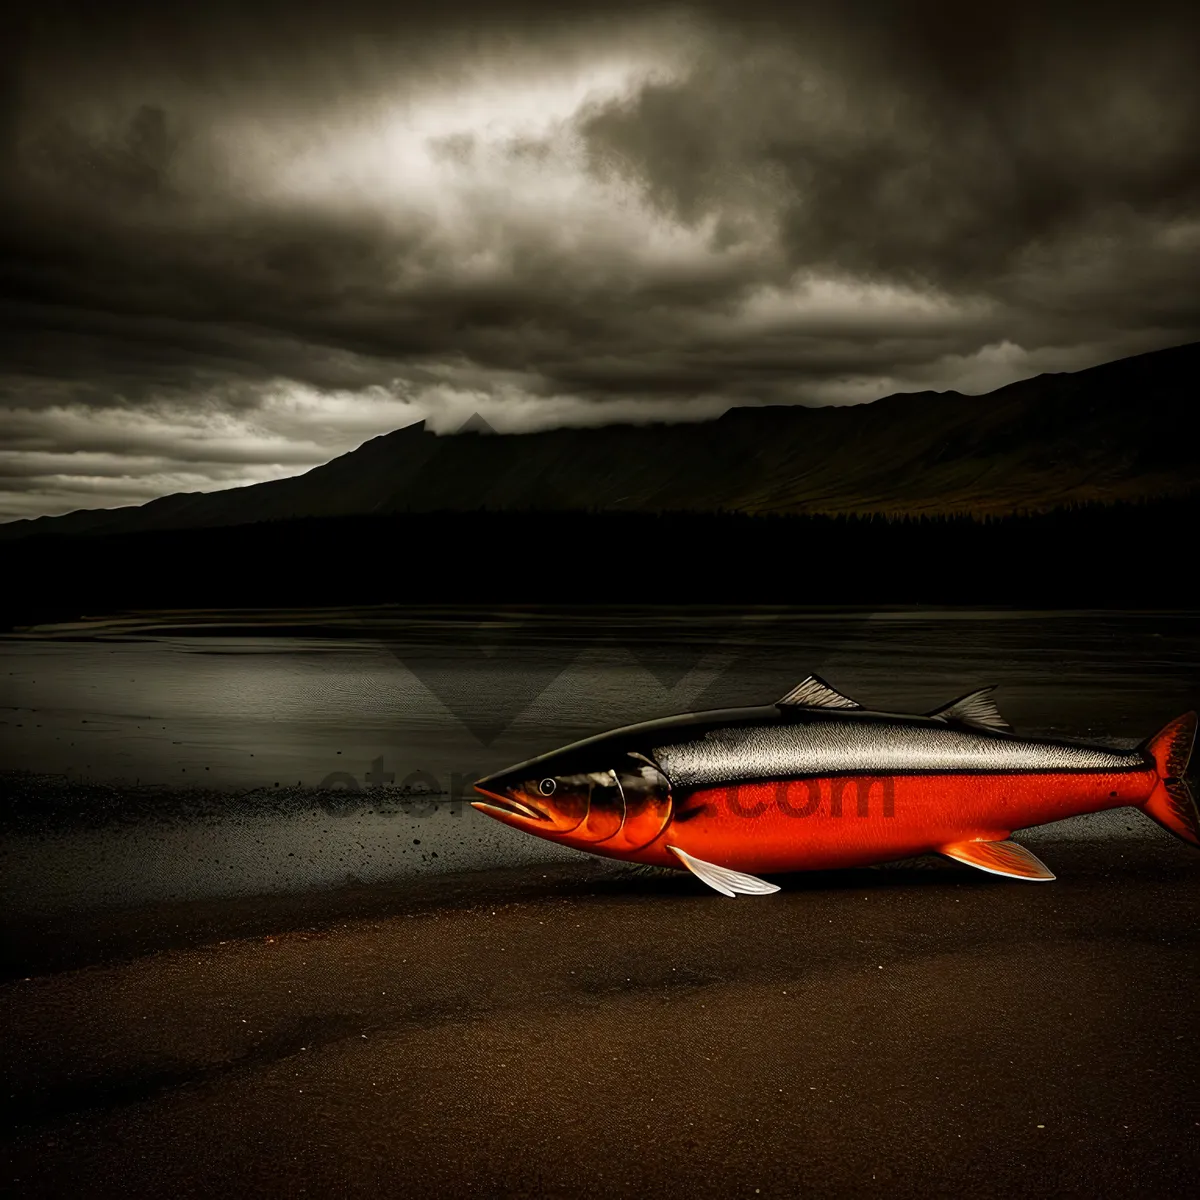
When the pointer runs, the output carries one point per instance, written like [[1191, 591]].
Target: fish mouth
[[506, 805]]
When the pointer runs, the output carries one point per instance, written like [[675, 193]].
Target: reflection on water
[[429, 703]]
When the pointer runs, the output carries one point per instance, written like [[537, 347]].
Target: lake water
[[191, 756]]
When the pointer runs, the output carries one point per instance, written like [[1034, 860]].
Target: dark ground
[[911, 1031]]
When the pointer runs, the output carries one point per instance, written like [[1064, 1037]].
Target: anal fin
[[999, 858], [722, 879]]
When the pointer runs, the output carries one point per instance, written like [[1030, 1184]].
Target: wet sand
[[583, 1031]]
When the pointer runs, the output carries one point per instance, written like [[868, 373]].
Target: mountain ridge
[[1106, 433]]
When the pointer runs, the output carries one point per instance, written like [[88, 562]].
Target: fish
[[817, 781]]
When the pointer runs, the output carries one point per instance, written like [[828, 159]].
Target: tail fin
[[1171, 803]]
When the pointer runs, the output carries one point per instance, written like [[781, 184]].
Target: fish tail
[[1171, 803]]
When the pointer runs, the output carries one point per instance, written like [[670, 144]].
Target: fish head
[[621, 799]]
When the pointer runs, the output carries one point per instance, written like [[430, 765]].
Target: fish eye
[[547, 786]]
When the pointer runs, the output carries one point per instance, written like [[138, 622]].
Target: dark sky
[[240, 240]]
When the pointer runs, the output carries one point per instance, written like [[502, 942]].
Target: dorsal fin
[[814, 692], [975, 708]]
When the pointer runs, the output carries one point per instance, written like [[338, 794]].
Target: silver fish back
[[818, 748]]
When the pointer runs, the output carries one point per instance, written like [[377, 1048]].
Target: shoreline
[[358, 621]]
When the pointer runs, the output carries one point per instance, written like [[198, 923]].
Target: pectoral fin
[[725, 881], [1000, 858]]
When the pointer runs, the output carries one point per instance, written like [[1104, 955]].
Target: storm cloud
[[239, 240]]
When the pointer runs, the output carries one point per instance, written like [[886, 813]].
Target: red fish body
[[849, 821], [817, 782]]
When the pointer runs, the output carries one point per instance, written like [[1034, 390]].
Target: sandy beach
[[580, 1031]]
